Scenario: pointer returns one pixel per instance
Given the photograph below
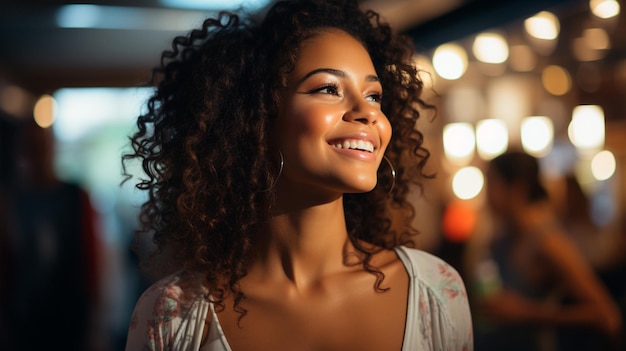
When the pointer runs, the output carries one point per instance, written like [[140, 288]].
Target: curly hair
[[203, 142]]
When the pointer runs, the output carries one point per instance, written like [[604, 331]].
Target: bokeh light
[[556, 80], [467, 182], [596, 38], [543, 25], [537, 135], [450, 61], [458, 221], [603, 165], [522, 58], [459, 142], [586, 129], [604, 8], [490, 48], [44, 111], [492, 138]]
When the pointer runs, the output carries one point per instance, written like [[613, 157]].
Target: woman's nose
[[364, 111]]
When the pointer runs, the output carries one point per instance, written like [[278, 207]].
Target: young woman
[[262, 147]]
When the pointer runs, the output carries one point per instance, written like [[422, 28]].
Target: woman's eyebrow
[[335, 72]]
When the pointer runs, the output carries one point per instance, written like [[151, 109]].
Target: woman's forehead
[[332, 47]]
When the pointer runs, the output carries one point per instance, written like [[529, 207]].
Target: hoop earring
[[280, 171], [393, 174]]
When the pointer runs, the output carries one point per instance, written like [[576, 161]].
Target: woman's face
[[330, 127]]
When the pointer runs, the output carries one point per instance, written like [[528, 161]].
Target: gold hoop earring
[[280, 171], [393, 173]]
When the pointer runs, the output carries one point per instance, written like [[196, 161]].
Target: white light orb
[[603, 165], [586, 129], [468, 182], [543, 25], [492, 138], [604, 8], [450, 61], [490, 48], [537, 134], [459, 142]]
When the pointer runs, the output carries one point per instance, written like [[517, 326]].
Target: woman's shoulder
[[173, 292], [433, 273], [164, 308], [441, 305], [426, 265]]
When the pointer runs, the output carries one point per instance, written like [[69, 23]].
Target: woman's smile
[[362, 146]]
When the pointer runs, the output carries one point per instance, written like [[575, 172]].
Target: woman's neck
[[304, 244]]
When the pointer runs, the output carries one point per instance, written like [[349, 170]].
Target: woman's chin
[[362, 188]]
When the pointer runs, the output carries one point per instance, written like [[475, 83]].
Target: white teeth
[[362, 145], [356, 145]]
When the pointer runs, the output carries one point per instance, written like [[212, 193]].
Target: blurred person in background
[[602, 243], [50, 273], [533, 290]]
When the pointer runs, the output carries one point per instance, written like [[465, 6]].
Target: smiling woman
[[262, 146], [333, 97]]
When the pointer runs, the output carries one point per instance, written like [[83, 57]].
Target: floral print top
[[438, 314]]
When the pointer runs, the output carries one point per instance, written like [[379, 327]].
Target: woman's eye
[[329, 89], [375, 98]]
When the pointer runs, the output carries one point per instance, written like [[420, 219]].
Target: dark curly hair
[[203, 142]]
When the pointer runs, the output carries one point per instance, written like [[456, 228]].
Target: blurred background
[[544, 76]]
